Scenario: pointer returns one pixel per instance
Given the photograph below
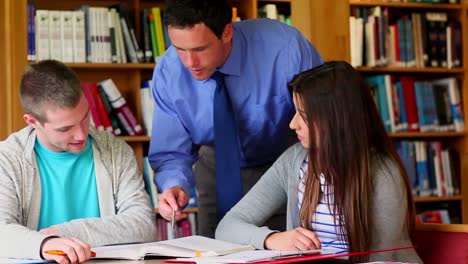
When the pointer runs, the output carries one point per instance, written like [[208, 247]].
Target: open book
[[187, 247], [250, 256]]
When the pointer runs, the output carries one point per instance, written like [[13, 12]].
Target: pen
[[173, 219], [61, 253]]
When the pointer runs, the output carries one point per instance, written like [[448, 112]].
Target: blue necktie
[[228, 178]]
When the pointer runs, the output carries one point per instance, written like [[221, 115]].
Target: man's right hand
[[170, 200], [77, 251]]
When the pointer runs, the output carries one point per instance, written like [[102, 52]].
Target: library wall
[[324, 22], [12, 53]]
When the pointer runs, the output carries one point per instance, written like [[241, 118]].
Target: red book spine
[[101, 109], [87, 88], [410, 104], [125, 115]]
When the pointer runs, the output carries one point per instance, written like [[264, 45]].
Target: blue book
[[422, 169], [430, 152], [409, 43], [430, 110], [193, 200], [31, 32], [378, 83], [419, 94], [148, 176], [410, 150], [403, 125], [405, 150]]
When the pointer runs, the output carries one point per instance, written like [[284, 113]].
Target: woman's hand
[[296, 239]]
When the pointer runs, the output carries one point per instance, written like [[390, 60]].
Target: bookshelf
[[457, 204], [326, 24]]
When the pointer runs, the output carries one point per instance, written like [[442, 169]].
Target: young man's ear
[[31, 120]]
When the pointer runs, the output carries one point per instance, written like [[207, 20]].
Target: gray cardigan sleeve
[[16, 240], [389, 207], [243, 224], [134, 219]]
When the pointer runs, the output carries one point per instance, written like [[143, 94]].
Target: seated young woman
[[344, 184]]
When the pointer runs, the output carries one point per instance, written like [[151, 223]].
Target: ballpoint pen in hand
[[173, 219]]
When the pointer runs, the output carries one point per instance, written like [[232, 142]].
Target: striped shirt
[[323, 223]]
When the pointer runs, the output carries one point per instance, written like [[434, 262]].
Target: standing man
[[63, 185], [221, 101]]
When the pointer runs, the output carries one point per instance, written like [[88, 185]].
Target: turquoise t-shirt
[[68, 184]]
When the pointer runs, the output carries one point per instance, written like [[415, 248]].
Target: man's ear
[[31, 120]]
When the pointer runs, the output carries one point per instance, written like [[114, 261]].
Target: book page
[[13, 260], [251, 256], [187, 247], [207, 246]]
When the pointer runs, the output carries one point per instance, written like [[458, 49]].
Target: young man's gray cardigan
[[125, 210], [279, 185]]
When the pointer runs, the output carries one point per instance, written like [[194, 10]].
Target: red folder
[[307, 258]]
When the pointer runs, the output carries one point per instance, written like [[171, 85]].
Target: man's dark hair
[[49, 82], [215, 14]]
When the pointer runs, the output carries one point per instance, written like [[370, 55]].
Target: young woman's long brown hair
[[347, 136]]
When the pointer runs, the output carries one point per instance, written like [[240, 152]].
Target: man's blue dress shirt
[[265, 56]]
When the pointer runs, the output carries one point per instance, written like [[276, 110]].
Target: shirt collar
[[232, 66]]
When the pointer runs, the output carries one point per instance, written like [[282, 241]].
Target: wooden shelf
[[135, 138], [110, 66], [438, 199], [411, 70], [426, 134], [274, 1], [406, 5]]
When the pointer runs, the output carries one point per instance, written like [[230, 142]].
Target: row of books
[[183, 228], [95, 34], [428, 39], [109, 109], [408, 105], [432, 168], [440, 216]]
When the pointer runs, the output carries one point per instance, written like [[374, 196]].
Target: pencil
[[61, 253]]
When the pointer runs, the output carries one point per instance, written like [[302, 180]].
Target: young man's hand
[[76, 250]]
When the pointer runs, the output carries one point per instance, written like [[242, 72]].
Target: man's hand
[[172, 199], [51, 231], [296, 239], [77, 251]]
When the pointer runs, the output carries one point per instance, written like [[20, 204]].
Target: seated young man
[[64, 185]]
